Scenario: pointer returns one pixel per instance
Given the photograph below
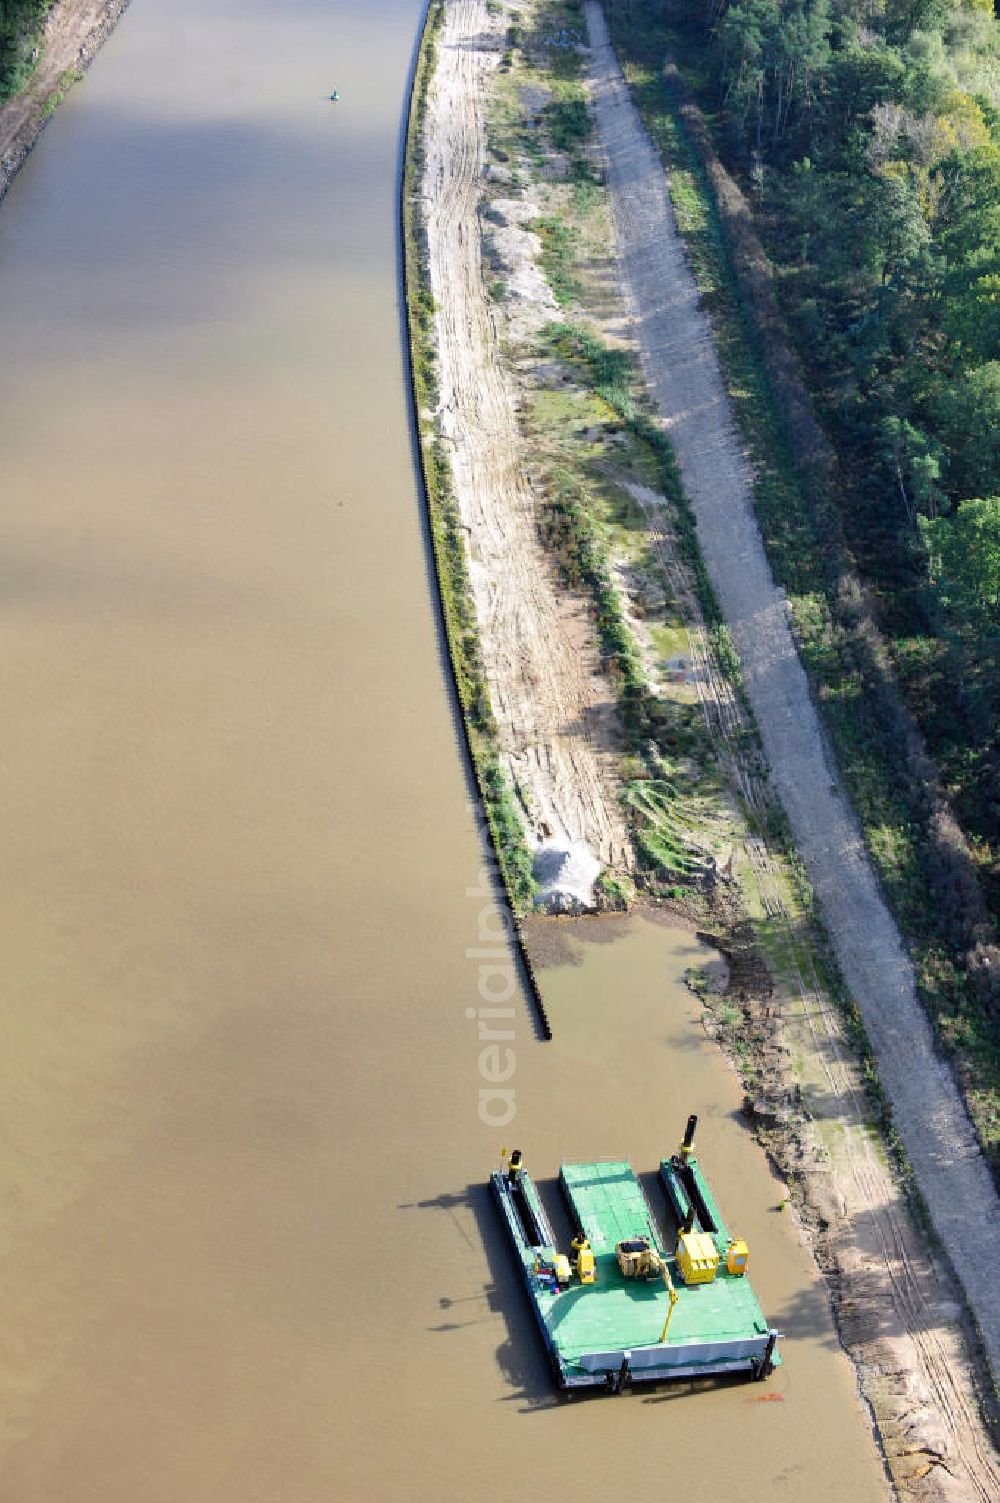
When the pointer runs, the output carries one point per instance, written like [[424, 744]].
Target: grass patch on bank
[[585, 523], [613, 375], [560, 242], [67, 79]]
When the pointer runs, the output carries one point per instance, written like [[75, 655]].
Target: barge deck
[[691, 1312]]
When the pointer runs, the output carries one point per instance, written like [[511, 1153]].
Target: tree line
[[20, 30], [868, 135]]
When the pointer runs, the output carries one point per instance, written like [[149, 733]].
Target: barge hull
[[609, 1333]]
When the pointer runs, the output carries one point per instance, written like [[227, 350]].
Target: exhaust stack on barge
[[622, 1308]]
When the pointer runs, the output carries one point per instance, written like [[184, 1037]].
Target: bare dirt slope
[[682, 368], [74, 31], [553, 706]]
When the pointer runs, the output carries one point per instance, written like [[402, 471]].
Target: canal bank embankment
[[538, 709], [74, 32], [504, 845]]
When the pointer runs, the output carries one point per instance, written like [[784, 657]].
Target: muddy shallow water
[[244, 1247]]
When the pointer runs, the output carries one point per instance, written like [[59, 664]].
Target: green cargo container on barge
[[619, 1306]]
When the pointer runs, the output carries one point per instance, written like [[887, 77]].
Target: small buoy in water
[[334, 97]]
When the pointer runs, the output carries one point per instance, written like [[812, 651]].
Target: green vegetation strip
[[540, 117], [657, 730]]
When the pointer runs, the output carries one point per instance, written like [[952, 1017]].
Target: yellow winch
[[585, 1262], [697, 1257]]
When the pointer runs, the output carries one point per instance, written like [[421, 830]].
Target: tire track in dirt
[[553, 707]]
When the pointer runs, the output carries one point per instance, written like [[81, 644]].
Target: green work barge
[[621, 1307]]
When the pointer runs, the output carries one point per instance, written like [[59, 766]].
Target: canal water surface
[[245, 1252]]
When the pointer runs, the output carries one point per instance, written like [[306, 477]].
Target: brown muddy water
[[244, 1248]]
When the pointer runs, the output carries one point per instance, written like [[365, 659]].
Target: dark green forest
[[867, 133], [873, 136], [20, 30]]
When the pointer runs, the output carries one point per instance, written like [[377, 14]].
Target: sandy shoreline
[[894, 1301], [75, 31]]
